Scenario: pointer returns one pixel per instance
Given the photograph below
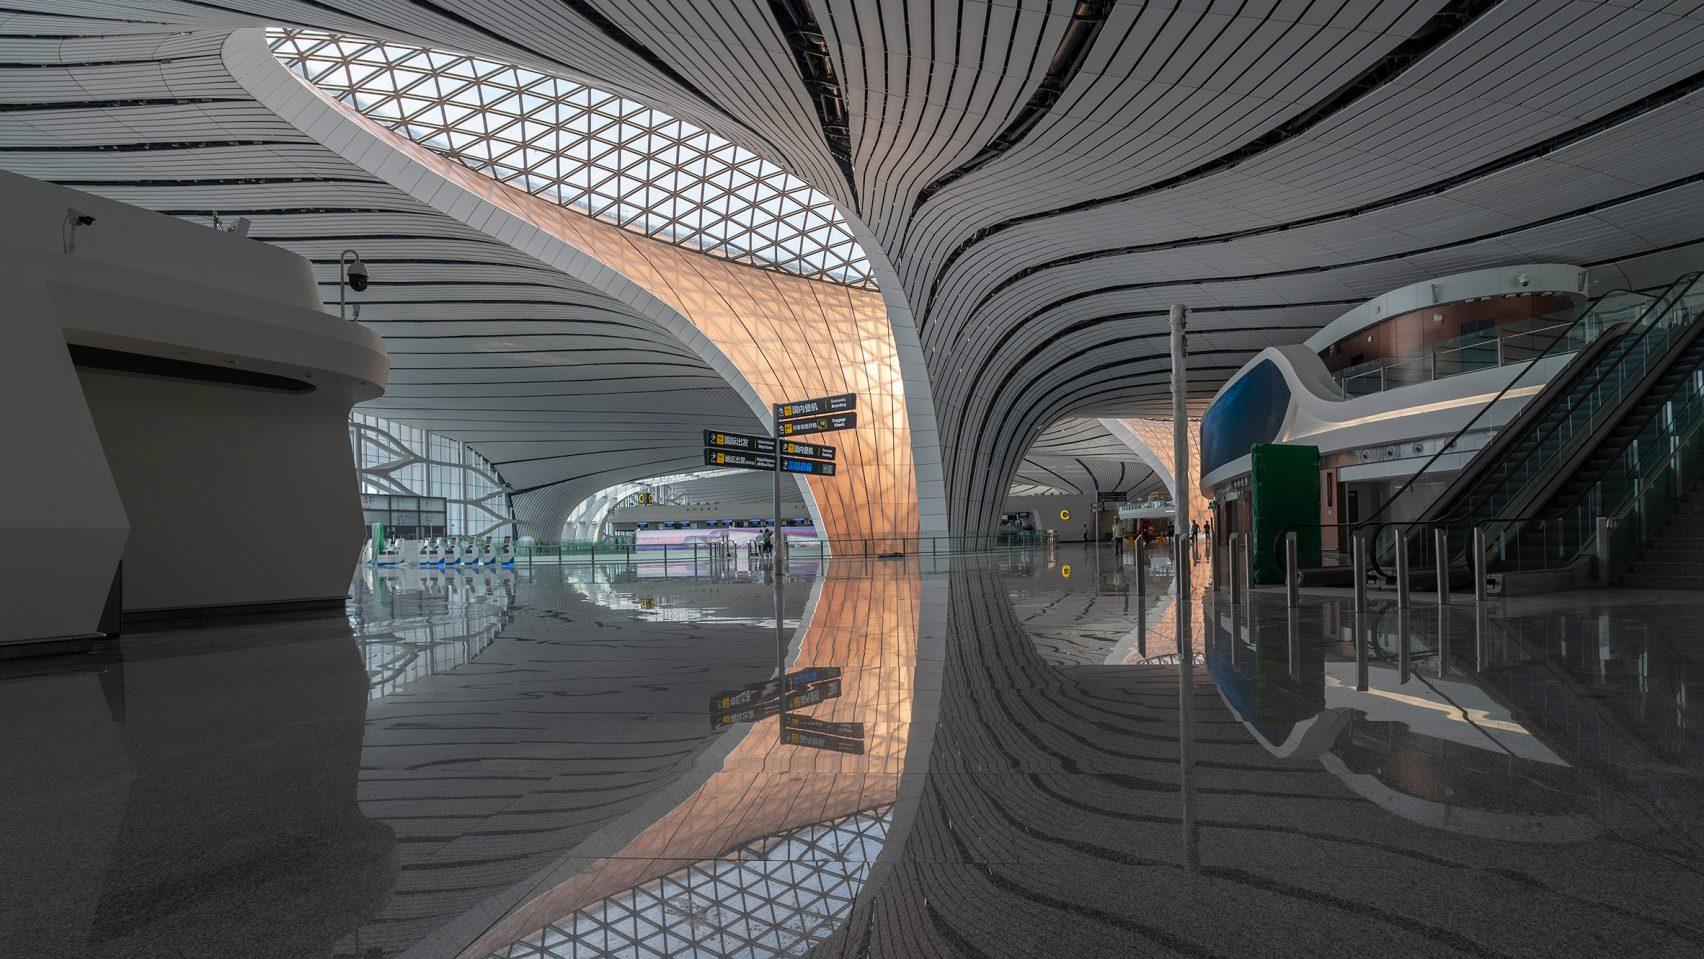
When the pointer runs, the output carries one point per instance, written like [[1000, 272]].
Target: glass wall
[[397, 459]]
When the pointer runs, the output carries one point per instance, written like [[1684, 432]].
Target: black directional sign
[[806, 467], [807, 451], [809, 725], [819, 424], [842, 403], [718, 439], [748, 461]]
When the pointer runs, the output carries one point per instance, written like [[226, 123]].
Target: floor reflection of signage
[[795, 737], [748, 461], [722, 440], [819, 424], [805, 687], [806, 724], [815, 407], [807, 467], [802, 699], [809, 451]]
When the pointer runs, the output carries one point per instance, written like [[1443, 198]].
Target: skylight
[[592, 151]]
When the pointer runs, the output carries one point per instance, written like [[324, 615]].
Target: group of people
[[1120, 533]]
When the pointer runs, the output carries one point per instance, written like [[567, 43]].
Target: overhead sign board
[[719, 439], [819, 424], [806, 467], [747, 461], [818, 406], [807, 451]]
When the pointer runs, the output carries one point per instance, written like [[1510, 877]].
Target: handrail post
[[1402, 569], [1478, 564], [1292, 571], [1441, 562], [1358, 544], [1603, 550], [1141, 567], [1231, 561], [1248, 569]]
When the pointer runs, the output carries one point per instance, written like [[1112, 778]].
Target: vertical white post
[[1401, 568], [1441, 560], [1359, 545], [1292, 571], [1231, 565], [1478, 565], [1186, 653]]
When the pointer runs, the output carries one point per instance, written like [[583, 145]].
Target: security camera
[[358, 275], [75, 220], [1523, 280]]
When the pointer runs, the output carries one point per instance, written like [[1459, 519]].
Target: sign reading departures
[[716, 439], [824, 414], [748, 461]]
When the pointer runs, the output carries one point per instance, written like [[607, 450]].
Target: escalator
[[1575, 450], [1591, 338]]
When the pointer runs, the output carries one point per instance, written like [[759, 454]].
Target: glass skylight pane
[[646, 171]]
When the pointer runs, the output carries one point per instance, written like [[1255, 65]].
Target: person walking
[[1117, 536]]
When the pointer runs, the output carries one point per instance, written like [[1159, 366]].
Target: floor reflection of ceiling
[[866, 623], [775, 896]]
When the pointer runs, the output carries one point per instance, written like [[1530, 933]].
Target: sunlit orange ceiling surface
[[789, 337]]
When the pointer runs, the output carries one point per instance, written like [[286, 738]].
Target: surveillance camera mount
[[351, 272], [75, 220]]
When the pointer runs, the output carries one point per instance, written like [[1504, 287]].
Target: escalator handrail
[[1626, 348], [1473, 421]]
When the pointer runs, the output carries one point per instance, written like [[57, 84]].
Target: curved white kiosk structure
[[166, 370]]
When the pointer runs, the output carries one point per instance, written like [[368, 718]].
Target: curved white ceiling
[[1043, 179], [581, 147]]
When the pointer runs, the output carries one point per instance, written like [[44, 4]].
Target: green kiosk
[[1283, 493]]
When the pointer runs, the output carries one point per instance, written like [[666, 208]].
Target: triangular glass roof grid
[[771, 897], [580, 147]]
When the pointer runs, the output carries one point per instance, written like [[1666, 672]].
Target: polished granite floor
[[995, 756]]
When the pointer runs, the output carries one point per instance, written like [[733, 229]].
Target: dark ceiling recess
[[798, 24], [1086, 22], [142, 364]]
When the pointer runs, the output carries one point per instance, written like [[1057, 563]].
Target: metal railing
[[881, 547], [1602, 314], [1468, 353]]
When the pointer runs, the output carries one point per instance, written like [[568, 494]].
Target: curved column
[[773, 337], [1152, 442]]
